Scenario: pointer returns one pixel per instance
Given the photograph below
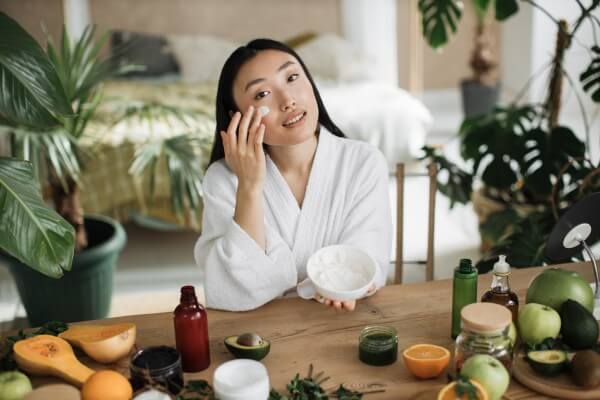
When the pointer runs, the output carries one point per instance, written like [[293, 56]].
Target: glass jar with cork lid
[[484, 330]]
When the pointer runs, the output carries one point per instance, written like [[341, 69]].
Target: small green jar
[[378, 345]]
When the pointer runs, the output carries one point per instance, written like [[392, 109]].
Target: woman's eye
[[293, 77], [260, 95]]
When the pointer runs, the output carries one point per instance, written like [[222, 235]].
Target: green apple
[[489, 372], [538, 322], [512, 334], [14, 385]]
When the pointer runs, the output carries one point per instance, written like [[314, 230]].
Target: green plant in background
[[523, 163], [47, 99]]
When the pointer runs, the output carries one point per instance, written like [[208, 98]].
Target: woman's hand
[[348, 305], [243, 146]]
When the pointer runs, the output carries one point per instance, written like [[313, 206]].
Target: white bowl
[[241, 379], [343, 256]]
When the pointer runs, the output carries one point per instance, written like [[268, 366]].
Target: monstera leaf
[[31, 93], [29, 230], [590, 78], [496, 139], [439, 19], [545, 155], [506, 9]]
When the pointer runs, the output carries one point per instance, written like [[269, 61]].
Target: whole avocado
[[579, 328], [554, 286]]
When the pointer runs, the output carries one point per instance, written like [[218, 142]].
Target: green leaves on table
[[464, 387], [29, 230]]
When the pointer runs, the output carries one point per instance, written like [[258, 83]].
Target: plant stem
[[553, 102], [67, 203]]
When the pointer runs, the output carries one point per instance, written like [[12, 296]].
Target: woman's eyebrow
[[258, 80]]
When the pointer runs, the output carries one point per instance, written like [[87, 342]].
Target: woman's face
[[275, 79]]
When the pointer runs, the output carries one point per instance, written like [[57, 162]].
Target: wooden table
[[304, 332]]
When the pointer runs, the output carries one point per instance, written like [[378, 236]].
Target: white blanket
[[388, 117]]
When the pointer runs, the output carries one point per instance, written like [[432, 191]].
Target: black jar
[[157, 365]]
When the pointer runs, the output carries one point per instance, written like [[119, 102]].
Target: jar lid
[[485, 317]]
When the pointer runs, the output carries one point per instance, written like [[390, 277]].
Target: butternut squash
[[103, 343], [50, 355]]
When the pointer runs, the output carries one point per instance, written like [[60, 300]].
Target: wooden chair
[[399, 263]]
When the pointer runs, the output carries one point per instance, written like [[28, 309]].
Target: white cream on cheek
[[263, 110]]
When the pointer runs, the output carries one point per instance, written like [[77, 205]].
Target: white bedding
[[388, 117]]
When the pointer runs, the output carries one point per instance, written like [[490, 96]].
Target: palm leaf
[[31, 93], [30, 230], [439, 19], [590, 78]]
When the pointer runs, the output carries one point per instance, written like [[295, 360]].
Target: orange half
[[426, 360], [448, 392]]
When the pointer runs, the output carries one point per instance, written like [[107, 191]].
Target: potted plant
[[51, 97], [524, 169], [440, 18]]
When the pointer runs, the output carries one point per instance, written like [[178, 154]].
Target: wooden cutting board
[[560, 386]]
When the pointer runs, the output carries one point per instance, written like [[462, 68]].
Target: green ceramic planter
[[85, 292]]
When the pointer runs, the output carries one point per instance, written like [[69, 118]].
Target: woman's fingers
[[258, 140], [349, 305], [232, 131], [243, 128]]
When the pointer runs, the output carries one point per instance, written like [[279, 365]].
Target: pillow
[[201, 58], [150, 51], [331, 58]]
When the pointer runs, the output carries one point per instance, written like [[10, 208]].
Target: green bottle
[[464, 291]]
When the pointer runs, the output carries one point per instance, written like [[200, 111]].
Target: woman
[[282, 183]]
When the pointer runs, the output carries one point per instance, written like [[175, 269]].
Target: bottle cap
[[501, 267], [465, 266], [485, 317]]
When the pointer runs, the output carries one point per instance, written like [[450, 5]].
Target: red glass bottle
[[191, 332]]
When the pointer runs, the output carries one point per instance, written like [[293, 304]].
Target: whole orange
[[106, 385]]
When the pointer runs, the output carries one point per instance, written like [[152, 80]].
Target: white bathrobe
[[346, 202]]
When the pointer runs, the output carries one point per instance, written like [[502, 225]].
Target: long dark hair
[[225, 101]]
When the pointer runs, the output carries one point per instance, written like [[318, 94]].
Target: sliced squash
[[50, 355], [103, 343]]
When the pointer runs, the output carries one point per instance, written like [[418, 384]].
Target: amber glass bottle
[[500, 292], [191, 332]]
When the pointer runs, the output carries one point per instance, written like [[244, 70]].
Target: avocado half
[[547, 362], [256, 352]]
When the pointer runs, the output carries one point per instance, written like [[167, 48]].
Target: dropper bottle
[[500, 292]]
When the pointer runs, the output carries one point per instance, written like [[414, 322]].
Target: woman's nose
[[288, 104]]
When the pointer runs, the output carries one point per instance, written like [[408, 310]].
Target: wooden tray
[[560, 386]]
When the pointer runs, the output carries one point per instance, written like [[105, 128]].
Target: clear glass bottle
[[191, 332], [500, 292], [484, 330]]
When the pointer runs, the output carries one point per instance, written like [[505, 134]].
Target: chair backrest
[[400, 177]]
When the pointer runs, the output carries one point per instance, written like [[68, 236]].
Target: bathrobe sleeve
[[238, 274], [368, 220]]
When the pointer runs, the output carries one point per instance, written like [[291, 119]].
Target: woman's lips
[[295, 120]]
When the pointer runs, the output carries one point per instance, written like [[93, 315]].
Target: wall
[[31, 13], [234, 19]]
